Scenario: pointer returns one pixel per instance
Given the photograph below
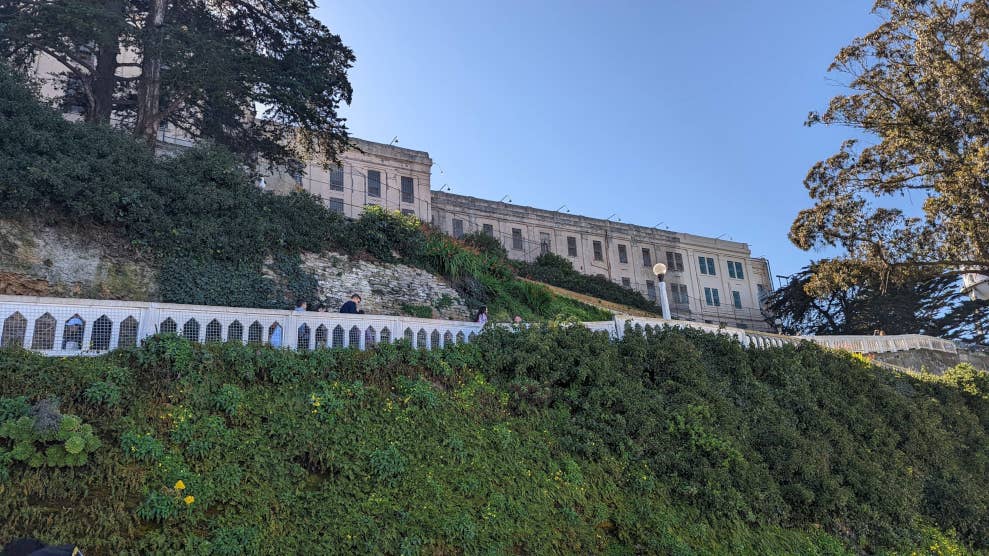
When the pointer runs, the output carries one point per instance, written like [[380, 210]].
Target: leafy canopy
[[917, 104]]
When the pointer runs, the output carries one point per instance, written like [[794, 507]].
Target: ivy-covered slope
[[549, 441], [204, 222]]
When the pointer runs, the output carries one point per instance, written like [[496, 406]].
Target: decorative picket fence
[[62, 326], [58, 326]]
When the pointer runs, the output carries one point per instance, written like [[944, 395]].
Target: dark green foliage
[[419, 311], [552, 440], [484, 243], [44, 437], [558, 271], [211, 230]]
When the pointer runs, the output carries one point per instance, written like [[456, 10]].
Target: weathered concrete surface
[[40, 259], [385, 288]]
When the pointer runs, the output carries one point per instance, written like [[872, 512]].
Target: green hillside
[[202, 220], [550, 441]]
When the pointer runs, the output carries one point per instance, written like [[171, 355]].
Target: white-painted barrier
[[63, 326], [60, 326]]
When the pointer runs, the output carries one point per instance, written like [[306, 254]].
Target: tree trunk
[[149, 86], [104, 81]]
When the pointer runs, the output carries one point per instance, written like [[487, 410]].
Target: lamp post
[[659, 269]]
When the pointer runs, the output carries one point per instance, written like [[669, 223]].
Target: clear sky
[[688, 113]]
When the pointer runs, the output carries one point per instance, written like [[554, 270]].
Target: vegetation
[[194, 66], [558, 271], [212, 230], [918, 92], [859, 303], [552, 440]]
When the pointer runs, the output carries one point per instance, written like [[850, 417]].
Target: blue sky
[[687, 113]]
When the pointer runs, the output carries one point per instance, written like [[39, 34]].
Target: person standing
[[301, 306], [482, 315], [350, 307]]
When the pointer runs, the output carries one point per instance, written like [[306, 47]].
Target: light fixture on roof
[[563, 207], [613, 216], [393, 141], [505, 197]]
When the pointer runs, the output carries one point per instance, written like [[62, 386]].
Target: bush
[[549, 440]]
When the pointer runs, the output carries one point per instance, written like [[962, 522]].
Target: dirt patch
[[18, 284]]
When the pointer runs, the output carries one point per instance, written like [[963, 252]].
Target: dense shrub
[[551, 440], [558, 271], [210, 229]]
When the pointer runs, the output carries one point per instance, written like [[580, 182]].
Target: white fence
[[61, 326]]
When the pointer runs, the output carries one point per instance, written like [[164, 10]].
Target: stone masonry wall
[[385, 288]]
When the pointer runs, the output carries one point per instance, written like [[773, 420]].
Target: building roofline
[[441, 197], [391, 151]]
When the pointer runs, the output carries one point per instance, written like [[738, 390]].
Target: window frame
[[410, 195], [646, 257], [598, 250], [572, 246], [370, 191], [518, 244], [622, 254]]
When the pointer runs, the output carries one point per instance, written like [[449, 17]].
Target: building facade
[[368, 174], [709, 280]]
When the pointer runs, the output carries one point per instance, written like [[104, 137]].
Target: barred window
[[14, 330], [128, 333], [374, 183], [408, 190]]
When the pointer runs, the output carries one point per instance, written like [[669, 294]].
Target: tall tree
[[859, 302], [202, 65], [919, 108]]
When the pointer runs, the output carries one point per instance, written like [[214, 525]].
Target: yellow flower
[[180, 485], [189, 500]]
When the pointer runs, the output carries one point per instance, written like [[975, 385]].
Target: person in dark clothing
[[350, 307]]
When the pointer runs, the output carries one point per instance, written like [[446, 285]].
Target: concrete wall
[[393, 163], [547, 230]]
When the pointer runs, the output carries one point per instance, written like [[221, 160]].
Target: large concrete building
[[370, 173], [709, 280]]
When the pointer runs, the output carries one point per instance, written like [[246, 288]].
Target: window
[[517, 238], [336, 179], [711, 296], [408, 212], [627, 282], [674, 261], [651, 290], [336, 204], [679, 294], [458, 228], [762, 292], [374, 183], [736, 299], [622, 254], [735, 270], [646, 257], [408, 190], [598, 253], [571, 246], [488, 230], [707, 265], [544, 243]]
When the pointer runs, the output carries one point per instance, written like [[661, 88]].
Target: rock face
[[385, 288], [37, 259]]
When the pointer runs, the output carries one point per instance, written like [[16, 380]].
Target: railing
[[748, 338], [883, 344], [57, 326], [60, 326]]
